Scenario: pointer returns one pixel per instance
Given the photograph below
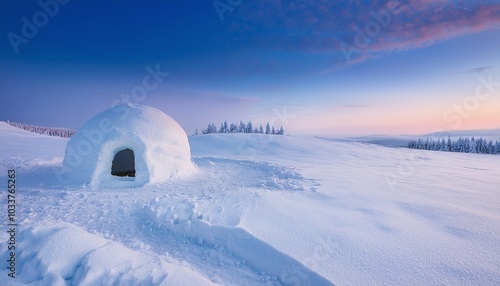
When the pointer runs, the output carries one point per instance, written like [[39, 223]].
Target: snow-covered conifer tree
[[268, 128]]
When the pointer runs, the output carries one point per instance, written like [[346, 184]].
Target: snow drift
[[158, 144], [352, 213], [56, 253]]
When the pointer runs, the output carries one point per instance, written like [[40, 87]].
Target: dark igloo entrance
[[123, 164]]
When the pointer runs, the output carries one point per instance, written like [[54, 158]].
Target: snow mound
[[61, 253], [184, 219], [159, 145]]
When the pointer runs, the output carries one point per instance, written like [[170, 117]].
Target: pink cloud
[[321, 26], [438, 28]]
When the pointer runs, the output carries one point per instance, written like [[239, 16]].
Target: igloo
[[127, 146]]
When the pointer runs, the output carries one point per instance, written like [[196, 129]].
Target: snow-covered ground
[[260, 210]]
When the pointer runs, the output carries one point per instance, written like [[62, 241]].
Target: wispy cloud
[[324, 26], [217, 97], [475, 70], [350, 106]]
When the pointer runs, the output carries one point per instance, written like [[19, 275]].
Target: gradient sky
[[315, 67]]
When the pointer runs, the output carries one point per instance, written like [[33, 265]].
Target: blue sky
[[322, 68]]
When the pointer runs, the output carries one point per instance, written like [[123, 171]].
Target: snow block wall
[[159, 144]]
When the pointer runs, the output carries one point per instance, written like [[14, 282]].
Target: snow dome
[[127, 146]]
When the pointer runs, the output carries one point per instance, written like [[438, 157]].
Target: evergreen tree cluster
[[463, 145], [51, 131], [242, 128]]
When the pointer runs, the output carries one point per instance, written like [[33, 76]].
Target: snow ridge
[[186, 220], [50, 131]]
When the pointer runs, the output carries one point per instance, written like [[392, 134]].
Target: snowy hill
[[51, 131], [402, 140], [19, 143], [261, 210], [490, 134]]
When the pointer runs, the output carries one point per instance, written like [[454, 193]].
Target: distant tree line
[[51, 131], [464, 145], [241, 128]]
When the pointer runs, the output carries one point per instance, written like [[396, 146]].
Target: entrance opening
[[123, 164]]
